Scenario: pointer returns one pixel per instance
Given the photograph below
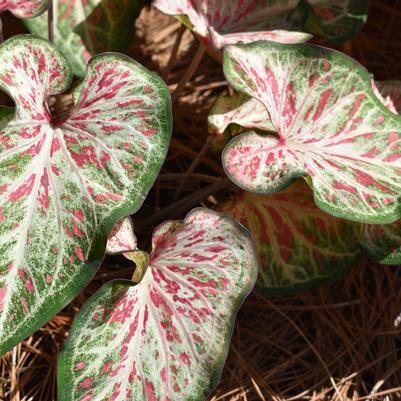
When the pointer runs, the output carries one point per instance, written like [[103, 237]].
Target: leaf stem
[[176, 209], [189, 72], [174, 51], [192, 167], [1, 31], [50, 25]]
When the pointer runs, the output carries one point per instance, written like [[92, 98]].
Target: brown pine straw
[[338, 343]]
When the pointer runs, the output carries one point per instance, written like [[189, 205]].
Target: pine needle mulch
[[340, 342]]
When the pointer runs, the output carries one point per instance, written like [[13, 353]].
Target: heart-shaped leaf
[[24, 8], [298, 245], [167, 337], [338, 20], [221, 22], [85, 28], [341, 136], [122, 237], [65, 182], [240, 109]]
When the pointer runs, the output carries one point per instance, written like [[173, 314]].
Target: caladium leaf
[[167, 337], [85, 28], [122, 237], [298, 245], [339, 20], [383, 241], [240, 109], [341, 136], [221, 22], [24, 8], [65, 182]]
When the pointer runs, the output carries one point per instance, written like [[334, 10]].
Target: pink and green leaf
[[221, 22], [85, 28], [122, 237], [65, 182], [298, 245], [24, 8], [337, 21], [341, 136], [238, 110], [166, 338]]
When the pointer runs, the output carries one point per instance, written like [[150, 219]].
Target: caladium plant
[[220, 22], [65, 181], [341, 136], [167, 337], [298, 245], [85, 28], [24, 8]]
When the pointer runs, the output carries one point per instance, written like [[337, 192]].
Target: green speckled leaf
[[85, 28], [65, 182], [383, 241], [298, 245], [166, 338]]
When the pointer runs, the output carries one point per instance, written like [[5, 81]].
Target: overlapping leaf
[[341, 19], [221, 22], [167, 337], [342, 136], [122, 237], [85, 28], [65, 182], [240, 109], [24, 8], [298, 245]]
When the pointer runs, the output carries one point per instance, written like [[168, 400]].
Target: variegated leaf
[[339, 20], [240, 109], [298, 245], [383, 241], [167, 337], [341, 136], [65, 182], [122, 237], [85, 28], [221, 22], [24, 8]]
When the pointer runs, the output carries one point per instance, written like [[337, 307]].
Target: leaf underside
[[298, 245], [24, 8], [167, 337], [64, 183], [85, 28], [341, 136]]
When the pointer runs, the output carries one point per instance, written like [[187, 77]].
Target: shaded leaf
[[24, 8], [338, 20], [85, 28], [167, 337], [340, 135], [122, 237], [298, 245], [65, 182]]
